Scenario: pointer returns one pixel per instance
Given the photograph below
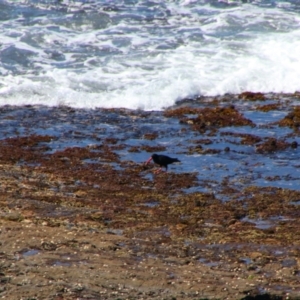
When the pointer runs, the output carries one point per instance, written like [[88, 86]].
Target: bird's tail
[[176, 160]]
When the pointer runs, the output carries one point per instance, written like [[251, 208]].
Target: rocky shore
[[81, 219]]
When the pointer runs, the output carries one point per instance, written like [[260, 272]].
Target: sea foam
[[132, 62]]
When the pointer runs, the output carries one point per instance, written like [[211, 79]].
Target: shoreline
[[82, 217]]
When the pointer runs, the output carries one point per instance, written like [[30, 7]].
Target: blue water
[[145, 54]]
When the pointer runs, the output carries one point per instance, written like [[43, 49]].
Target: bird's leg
[[158, 171]]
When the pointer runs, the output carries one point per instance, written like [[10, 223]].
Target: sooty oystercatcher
[[162, 161]]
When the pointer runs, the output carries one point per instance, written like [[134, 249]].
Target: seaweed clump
[[292, 119], [211, 118], [272, 145], [252, 96], [26, 148], [268, 107]]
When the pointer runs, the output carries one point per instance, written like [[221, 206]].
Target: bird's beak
[[147, 162]]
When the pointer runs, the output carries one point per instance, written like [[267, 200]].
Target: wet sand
[[83, 218]]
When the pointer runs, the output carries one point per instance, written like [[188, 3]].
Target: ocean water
[[145, 54]]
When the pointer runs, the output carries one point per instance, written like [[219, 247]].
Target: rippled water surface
[[224, 157]]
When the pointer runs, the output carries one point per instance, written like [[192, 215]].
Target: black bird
[[162, 161]]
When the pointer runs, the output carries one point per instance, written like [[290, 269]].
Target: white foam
[[232, 54]]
